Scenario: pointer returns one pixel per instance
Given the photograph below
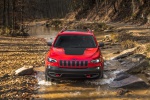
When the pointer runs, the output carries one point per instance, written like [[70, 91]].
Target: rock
[[121, 91], [137, 57], [148, 74], [137, 67], [148, 79], [134, 64], [108, 30], [124, 54], [116, 52], [121, 76], [25, 70], [131, 81], [111, 65]]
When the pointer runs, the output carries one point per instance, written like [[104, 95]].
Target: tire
[[47, 78], [100, 76]]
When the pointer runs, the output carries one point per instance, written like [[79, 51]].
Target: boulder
[[127, 80], [124, 54], [139, 67], [135, 63], [25, 70]]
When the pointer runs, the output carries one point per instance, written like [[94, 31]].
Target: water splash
[[43, 82], [40, 76]]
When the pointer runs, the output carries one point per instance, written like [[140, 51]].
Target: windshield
[[75, 41]]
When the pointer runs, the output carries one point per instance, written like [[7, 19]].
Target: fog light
[[49, 67], [98, 68]]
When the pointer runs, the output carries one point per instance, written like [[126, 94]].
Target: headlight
[[95, 61], [98, 68], [52, 60]]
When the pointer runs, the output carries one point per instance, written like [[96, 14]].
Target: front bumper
[[56, 72]]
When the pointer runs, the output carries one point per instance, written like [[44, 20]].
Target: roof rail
[[89, 30], [64, 29]]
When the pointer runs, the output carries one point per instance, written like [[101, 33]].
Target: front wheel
[[101, 75], [47, 78]]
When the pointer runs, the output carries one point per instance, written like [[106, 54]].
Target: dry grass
[[148, 51], [128, 44], [148, 48], [16, 53]]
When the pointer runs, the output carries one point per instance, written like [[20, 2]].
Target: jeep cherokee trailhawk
[[74, 54]]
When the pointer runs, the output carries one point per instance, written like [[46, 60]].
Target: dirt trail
[[93, 89], [32, 51]]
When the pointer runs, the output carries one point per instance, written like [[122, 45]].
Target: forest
[[15, 12]]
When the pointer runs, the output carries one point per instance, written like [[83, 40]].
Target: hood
[[68, 53]]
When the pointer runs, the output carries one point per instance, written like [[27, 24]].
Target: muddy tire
[[101, 75], [47, 78]]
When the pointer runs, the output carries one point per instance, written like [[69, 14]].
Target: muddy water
[[79, 89], [43, 32]]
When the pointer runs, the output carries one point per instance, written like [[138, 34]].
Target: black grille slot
[[73, 64], [69, 64], [86, 63], [61, 63], [65, 64], [81, 63], [77, 64]]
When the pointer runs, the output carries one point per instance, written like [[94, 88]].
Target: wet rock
[[121, 76], [137, 57], [25, 70], [139, 67], [134, 64], [111, 65], [130, 81], [147, 73], [148, 79]]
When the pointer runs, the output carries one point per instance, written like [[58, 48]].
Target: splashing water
[[43, 82], [41, 79]]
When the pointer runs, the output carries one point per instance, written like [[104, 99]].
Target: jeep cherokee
[[74, 54]]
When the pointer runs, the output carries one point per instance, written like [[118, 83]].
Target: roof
[[78, 32]]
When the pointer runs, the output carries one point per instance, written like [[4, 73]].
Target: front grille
[[73, 64]]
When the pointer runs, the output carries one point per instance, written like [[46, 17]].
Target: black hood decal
[[74, 51]]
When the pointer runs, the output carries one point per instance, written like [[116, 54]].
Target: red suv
[[74, 54]]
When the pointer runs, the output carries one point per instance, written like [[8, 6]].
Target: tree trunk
[[114, 5], [22, 10], [4, 13], [8, 14], [13, 16], [133, 6]]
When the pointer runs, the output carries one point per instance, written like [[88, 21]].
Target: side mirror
[[101, 44], [49, 43]]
